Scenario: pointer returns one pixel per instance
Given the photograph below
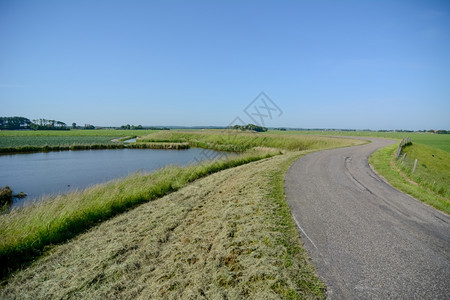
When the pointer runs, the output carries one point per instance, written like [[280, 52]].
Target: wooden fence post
[[415, 165], [405, 141]]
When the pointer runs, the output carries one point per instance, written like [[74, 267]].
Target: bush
[[5, 196]]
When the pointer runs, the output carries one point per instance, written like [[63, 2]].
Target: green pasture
[[441, 141]]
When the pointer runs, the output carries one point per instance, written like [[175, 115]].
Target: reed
[[166, 146]]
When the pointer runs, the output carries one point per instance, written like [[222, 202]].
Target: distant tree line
[[439, 131], [44, 124], [131, 127], [251, 127], [158, 128], [140, 127], [14, 123], [86, 127]]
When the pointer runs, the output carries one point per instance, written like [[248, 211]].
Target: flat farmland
[[441, 141], [55, 137]]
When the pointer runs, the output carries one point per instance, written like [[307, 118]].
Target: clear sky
[[325, 64]]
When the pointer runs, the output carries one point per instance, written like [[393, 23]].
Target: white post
[[415, 165]]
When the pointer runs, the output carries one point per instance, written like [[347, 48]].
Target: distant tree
[[61, 124], [251, 127], [89, 126], [74, 125], [139, 127], [43, 124], [13, 123]]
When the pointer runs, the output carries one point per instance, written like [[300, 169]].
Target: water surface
[[39, 174]]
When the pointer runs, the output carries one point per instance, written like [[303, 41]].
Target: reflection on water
[[39, 174]]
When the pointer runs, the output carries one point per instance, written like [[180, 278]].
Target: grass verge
[[429, 184], [25, 232]]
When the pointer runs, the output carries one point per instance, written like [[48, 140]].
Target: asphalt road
[[367, 239]]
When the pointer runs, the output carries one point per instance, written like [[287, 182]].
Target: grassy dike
[[24, 233], [228, 235], [428, 184]]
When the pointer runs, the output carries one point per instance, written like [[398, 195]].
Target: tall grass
[[238, 141], [168, 146], [25, 232]]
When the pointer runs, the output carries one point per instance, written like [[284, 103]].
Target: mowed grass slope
[[226, 236], [25, 232]]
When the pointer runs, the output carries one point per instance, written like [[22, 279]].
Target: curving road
[[367, 239]]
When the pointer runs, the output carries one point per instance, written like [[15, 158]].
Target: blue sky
[[326, 64]]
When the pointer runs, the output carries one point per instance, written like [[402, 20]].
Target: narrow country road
[[367, 239]]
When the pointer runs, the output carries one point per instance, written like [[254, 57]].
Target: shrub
[[5, 196]]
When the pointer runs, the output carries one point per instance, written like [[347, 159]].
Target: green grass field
[[231, 140], [205, 137], [19, 141], [430, 182], [441, 141], [65, 133], [16, 139]]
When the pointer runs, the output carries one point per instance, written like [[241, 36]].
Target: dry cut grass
[[226, 236]]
